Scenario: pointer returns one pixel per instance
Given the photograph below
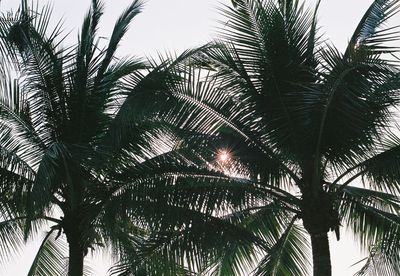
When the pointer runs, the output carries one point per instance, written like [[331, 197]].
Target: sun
[[223, 156]]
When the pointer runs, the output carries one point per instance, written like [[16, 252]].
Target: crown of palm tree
[[312, 128]]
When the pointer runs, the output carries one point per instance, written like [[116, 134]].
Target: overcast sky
[[175, 25]]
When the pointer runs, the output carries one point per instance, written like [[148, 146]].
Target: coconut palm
[[54, 118], [313, 126], [84, 154]]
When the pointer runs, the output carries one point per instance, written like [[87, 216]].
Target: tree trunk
[[321, 255], [76, 256], [319, 217]]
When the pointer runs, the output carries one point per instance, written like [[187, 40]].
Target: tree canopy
[[234, 158]]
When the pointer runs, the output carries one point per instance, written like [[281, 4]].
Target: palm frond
[[380, 262], [382, 170], [242, 258], [50, 258], [120, 28], [201, 104], [289, 255], [347, 88], [367, 31], [193, 242], [372, 216], [11, 236], [42, 80]]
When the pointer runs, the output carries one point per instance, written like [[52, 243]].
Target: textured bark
[[321, 255]]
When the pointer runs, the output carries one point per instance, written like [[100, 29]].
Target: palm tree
[[87, 153], [312, 129], [83, 151], [54, 123]]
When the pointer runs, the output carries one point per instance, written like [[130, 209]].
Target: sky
[[176, 25]]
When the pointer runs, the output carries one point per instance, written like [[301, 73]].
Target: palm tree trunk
[[319, 217], [321, 255], [76, 256]]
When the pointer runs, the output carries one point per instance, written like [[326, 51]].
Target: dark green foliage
[[306, 122], [127, 150], [84, 148]]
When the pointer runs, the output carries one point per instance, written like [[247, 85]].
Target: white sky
[[176, 25]]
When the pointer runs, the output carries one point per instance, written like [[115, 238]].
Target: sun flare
[[223, 156]]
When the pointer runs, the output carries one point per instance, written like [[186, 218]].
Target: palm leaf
[[373, 218], [11, 236], [50, 258], [289, 254], [380, 263], [120, 28], [377, 14]]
